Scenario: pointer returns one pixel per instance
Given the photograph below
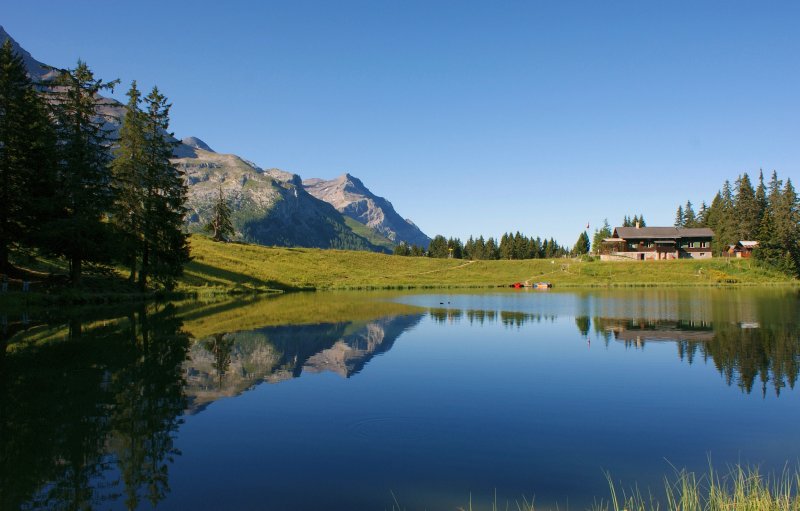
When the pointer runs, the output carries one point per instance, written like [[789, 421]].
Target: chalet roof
[[748, 244], [633, 233]]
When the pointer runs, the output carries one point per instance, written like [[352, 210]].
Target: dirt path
[[463, 265]]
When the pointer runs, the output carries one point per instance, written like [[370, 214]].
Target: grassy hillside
[[247, 267]]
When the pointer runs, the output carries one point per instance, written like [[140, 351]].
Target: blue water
[[514, 394]]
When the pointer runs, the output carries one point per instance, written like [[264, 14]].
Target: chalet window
[[702, 244]]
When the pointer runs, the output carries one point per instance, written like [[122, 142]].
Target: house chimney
[[637, 225]]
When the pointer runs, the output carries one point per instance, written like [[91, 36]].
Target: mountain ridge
[[270, 207], [352, 198]]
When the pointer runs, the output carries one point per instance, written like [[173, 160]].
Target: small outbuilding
[[743, 249]]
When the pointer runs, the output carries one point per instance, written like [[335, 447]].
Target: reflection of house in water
[[225, 365], [635, 333]]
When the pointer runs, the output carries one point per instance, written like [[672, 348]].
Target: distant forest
[[768, 213], [511, 246]]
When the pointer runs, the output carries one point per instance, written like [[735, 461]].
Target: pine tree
[[220, 225], [679, 217], [492, 251], [745, 209], [402, 249], [27, 157], [129, 172], [702, 215], [761, 199], [601, 234], [582, 246], [689, 218], [165, 247], [83, 180]]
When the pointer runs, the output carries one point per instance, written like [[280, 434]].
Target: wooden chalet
[[742, 249], [657, 243]]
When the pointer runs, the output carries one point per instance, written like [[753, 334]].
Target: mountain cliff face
[[270, 207], [351, 198]]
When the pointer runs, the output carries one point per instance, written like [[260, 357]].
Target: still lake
[[344, 401]]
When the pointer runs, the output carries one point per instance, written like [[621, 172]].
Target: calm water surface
[[339, 401]]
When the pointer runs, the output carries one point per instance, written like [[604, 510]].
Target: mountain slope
[[350, 197], [269, 207], [37, 71]]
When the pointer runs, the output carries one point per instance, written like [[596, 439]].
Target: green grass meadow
[[241, 267]]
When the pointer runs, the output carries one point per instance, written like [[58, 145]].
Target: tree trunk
[[132, 276], [143, 270], [4, 268], [75, 271]]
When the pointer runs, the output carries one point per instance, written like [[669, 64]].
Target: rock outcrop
[[351, 198]]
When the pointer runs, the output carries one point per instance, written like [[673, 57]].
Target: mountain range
[[270, 206]]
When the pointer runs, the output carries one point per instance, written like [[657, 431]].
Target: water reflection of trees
[[753, 344], [476, 316], [89, 408]]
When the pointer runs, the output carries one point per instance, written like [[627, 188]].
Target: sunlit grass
[[741, 488], [223, 266]]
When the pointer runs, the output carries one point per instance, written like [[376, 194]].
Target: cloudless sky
[[471, 117]]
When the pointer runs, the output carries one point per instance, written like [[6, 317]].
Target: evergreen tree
[[220, 225], [492, 251], [128, 170], [601, 234], [582, 246], [761, 199], [702, 215], [745, 209], [679, 217], [455, 249], [689, 218], [438, 247], [83, 181], [165, 247], [27, 157]]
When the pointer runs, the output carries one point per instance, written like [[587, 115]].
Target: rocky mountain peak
[[197, 144], [350, 197]]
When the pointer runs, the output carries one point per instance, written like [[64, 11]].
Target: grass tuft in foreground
[[742, 488]]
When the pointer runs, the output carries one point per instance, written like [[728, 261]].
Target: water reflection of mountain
[[226, 364]]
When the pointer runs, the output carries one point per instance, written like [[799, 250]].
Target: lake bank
[[245, 269]]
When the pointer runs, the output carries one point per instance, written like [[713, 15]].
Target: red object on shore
[[517, 285]]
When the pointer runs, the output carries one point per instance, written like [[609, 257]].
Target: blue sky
[[471, 117]]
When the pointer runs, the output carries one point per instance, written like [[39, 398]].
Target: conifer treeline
[[768, 213], [66, 192], [511, 246]]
